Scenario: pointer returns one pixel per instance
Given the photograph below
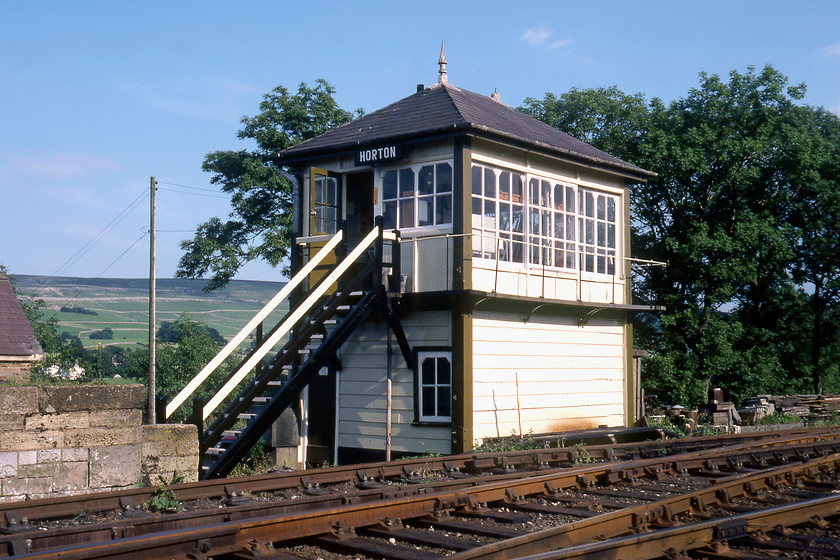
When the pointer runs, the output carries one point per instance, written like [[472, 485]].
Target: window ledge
[[432, 424]]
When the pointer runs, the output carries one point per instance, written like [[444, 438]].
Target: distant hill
[[93, 304]]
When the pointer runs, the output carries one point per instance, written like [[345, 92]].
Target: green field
[[123, 305]]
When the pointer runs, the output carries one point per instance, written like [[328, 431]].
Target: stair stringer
[[290, 392]]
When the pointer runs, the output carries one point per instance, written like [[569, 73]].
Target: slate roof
[[444, 109], [17, 339]]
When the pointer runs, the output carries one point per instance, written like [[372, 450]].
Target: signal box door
[[324, 216]]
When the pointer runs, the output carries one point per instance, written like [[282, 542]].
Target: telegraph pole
[[151, 408]]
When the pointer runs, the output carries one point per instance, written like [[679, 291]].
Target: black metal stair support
[[300, 337], [289, 393]]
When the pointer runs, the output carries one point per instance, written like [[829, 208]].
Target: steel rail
[[616, 523], [12, 513], [698, 535], [69, 506], [306, 524]]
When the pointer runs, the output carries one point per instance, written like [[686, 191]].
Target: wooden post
[[152, 415]]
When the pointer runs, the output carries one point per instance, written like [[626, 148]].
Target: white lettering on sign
[[376, 154]]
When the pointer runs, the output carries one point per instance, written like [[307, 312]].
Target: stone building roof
[[445, 110], [17, 339]]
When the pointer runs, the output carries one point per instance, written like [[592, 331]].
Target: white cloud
[[536, 36], [540, 36], [831, 51]]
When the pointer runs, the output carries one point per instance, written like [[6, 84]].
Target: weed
[[258, 461], [583, 454], [163, 499]]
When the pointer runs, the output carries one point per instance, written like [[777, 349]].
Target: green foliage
[[163, 499], [745, 211], [583, 455], [258, 461], [512, 442], [262, 199], [105, 334]]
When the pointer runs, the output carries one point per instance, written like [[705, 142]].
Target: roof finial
[[442, 79]]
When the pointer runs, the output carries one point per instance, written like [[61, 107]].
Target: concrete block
[[102, 437], [8, 464], [11, 422], [24, 441], [41, 422], [70, 477], [49, 455], [37, 470], [74, 454], [27, 457], [71, 398], [27, 487], [117, 465], [170, 439], [19, 400], [120, 418]]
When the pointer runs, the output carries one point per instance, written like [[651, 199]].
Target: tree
[[260, 222], [742, 211]]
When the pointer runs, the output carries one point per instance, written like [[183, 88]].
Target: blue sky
[[98, 96]]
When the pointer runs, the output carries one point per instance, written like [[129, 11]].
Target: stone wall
[[15, 371], [71, 439]]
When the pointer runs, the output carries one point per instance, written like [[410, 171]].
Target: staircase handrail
[[289, 322], [234, 343]]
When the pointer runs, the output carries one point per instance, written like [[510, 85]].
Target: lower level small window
[[434, 386]]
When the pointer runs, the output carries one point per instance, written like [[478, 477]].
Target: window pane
[[443, 210], [476, 206], [489, 183], [444, 178], [534, 194], [428, 398], [332, 191], [570, 228], [443, 377], [504, 185], [602, 235], [517, 222], [427, 372], [444, 400], [389, 185], [611, 236], [406, 182], [407, 213], [558, 225], [611, 209], [558, 197], [570, 199], [516, 188], [589, 232], [590, 205], [602, 215], [504, 216], [545, 200], [318, 195], [389, 215], [490, 212], [425, 211], [426, 180], [476, 179]]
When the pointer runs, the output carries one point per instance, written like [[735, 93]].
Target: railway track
[[718, 493]]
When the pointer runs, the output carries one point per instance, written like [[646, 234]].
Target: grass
[[123, 305]]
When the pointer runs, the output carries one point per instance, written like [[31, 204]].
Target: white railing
[[301, 310], [240, 337], [415, 265]]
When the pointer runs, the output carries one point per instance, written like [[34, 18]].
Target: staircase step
[[261, 400], [216, 450], [246, 416], [231, 433]]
